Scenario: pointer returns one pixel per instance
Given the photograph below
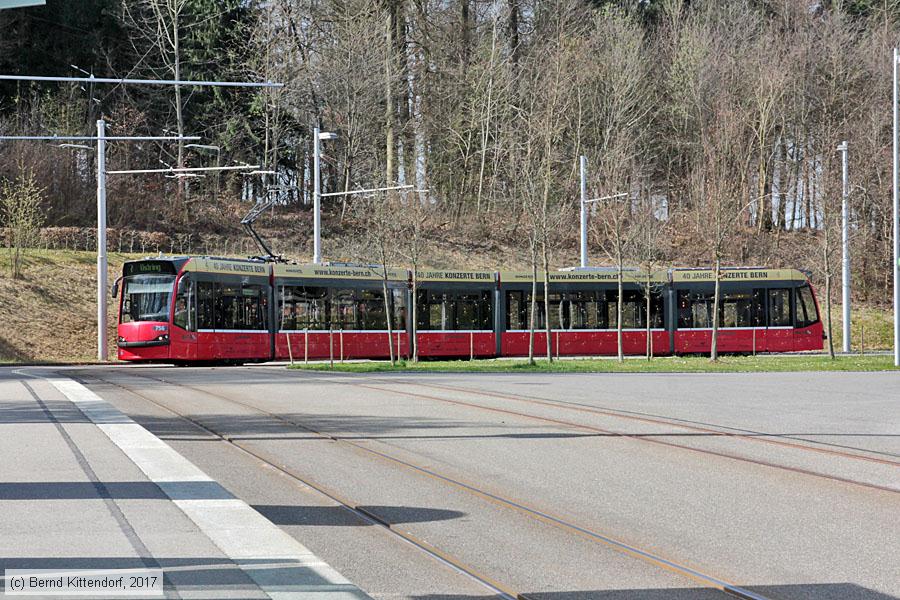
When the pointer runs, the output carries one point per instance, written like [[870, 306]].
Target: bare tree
[[378, 213], [20, 208], [159, 24], [650, 250], [614, 218], [721, 191], [544, 117], [413, 218]]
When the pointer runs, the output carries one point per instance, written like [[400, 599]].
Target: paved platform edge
[[279, 564]]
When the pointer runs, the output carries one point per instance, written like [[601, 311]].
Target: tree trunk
[[547, 329], [649, 322], [714, 345], [465, 31], [415, 313], [388, 102], [347, 173], [531, 321], [512, 32], [387, 314], [620, 352]]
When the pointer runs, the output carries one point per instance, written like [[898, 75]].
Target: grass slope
[[50, 314], [870, 326]]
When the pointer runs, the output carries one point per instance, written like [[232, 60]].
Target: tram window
[[438, 313], [583, 310], [398, 308], [146, 297], [312, 309], [634, 309], [370, 306], [301, 307], [254, 314], [694, 309], [806, 307], [434, 311], [467, 309], [657, 310], [740, 309], [229, 306], [780, 308], [448, 311], [370, 314], [287, 308], [344, 310], [539, 316], [185, 308], [206, 303], [558, 306], [515, 311]]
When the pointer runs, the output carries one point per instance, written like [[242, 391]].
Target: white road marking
[[280, 565]]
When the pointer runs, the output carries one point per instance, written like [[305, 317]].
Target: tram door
[[183, 330], [780, 332]]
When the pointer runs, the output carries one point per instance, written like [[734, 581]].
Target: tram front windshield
[[146, 297]]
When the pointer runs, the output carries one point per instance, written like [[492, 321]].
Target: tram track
[[631, 436], [502, 590], [364, 514], [703, 428]]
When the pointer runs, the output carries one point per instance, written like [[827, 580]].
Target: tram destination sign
[[150, 267]]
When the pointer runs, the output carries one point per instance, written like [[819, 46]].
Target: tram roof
[[244, 266]]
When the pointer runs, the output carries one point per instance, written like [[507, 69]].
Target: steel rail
[[738, 433], [537, 514]]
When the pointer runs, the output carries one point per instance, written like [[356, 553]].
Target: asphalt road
[[558, 487]]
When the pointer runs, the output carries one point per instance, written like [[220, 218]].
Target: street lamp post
[[317, 192], [101, 241], [845, 246], [896, 214]]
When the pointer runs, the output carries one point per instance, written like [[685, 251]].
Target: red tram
[[203, 309]]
